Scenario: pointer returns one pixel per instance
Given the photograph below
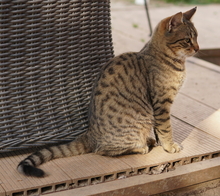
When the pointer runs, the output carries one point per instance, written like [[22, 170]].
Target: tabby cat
[[132, 96]]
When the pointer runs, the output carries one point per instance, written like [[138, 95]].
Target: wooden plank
[[91, 168], [193, 140], [13, 182], [183, 176], [197, 114], [2, 191], [195, 144], [190, 110], [62, 173], [208, 188], [202, 82], [205, 64], [211, 124]]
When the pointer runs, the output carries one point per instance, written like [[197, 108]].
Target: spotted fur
[[133, 95]]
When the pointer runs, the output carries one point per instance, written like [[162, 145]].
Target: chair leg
[[148, 17]]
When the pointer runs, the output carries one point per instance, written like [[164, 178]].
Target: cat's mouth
[[192, 52], [195, 52]]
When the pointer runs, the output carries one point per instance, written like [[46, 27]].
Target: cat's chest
[[174, 85], [180, 79], [169, 81]]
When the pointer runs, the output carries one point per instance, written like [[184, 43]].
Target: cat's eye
[[187, 40]]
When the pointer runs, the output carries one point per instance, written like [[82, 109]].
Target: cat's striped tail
[[29, 165]]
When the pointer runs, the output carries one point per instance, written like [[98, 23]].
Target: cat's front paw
[[175, 147]]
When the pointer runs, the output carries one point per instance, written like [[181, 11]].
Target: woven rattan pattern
[[50, 54]]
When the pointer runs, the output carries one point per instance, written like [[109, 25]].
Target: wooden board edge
[[183, 176]]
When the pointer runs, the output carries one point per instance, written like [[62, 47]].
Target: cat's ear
[[175, 21], [188, 15]]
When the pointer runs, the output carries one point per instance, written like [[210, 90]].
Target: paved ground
[[130, 28]]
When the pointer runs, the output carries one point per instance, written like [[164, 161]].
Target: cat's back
[[121, 91], [123, 77]]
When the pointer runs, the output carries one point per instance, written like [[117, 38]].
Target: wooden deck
[[196, 125]]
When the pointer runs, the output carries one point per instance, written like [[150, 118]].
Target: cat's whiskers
[[200, 53]]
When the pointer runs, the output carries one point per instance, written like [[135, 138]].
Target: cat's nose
[[196, 48]]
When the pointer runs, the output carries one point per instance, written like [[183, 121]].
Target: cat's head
[[179, 34]]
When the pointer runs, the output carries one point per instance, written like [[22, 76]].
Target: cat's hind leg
[[140, 148], [150, 143], [143, 150]]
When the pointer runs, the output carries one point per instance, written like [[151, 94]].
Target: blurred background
[[131, 30]]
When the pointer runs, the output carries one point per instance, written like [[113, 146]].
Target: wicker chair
[[51, 52]]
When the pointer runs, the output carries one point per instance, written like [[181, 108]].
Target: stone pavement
[[130, 28]]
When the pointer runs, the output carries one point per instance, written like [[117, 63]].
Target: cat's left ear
[[188, 14], [175, 21]]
